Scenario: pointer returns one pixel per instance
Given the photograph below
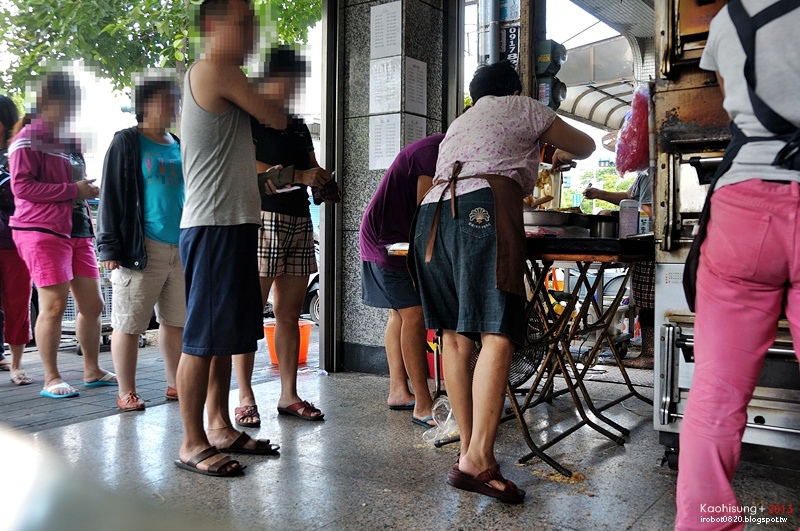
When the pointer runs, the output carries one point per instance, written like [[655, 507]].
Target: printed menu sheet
[[386, 35], [384, 140]]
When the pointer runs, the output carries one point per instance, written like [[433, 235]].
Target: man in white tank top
[[218, 240]]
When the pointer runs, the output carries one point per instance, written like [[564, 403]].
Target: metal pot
[[548, 218], [604, 227]]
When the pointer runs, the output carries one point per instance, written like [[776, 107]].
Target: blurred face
[[232, 34], [59, 113], [280, 87], [161, 109]]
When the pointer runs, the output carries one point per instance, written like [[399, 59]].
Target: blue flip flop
[[422, 422], [407, 407], [105, 381], [47, 392]]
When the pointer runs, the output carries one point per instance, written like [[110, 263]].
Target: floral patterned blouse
[[498, 136]]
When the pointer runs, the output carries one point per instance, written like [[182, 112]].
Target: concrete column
[[423, 34]]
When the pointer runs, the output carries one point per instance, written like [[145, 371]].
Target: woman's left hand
[[562, 158]]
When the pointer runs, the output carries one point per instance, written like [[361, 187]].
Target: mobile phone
[[279, 178]]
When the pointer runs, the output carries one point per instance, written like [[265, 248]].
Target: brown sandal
[[263, 446], [309, 411], [244, 412], [480, 484], [222, 468]]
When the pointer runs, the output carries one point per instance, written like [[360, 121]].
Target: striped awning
[[601, 105]]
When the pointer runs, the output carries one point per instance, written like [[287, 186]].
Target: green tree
[[603, 178], [120, 37]]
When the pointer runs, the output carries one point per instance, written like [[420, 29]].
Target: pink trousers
[[749, 265], [15, 293]]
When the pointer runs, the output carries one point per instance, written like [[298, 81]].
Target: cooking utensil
[[603, 226], [549, 218], [563, 167], [542, 200]]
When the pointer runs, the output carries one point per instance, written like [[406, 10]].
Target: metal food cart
[[690, 131]]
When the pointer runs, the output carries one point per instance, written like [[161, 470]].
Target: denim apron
[[510, 248]]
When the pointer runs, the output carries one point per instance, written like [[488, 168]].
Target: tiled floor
[[364, 467]]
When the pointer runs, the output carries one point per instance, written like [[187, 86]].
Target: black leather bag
[[693, 259]]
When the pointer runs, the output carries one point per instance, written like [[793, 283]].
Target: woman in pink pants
[[749, 270]]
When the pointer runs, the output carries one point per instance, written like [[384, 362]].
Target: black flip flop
[[263, 447], [216, 470], [407, 407], [423, 422]]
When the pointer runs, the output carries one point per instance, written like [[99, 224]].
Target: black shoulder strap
[[746, 28]]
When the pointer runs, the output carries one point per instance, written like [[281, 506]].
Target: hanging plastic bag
[[446, 425], [632, 149]]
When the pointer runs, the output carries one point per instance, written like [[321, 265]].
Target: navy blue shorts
[[223, 294], [381, 288], [458, 286]]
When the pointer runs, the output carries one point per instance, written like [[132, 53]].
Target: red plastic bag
[[632, 149]]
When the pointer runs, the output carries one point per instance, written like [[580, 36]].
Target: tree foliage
[[603, 178], [119, 37]]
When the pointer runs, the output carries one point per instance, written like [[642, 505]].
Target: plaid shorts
[[644, 284], [285, 245]]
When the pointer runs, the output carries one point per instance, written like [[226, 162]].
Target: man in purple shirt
[[385, 281]]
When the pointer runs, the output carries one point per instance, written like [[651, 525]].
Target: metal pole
[[494, 31]]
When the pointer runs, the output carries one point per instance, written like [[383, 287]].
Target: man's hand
[[110, 265], [313, 177], [269, 187], [86, 190]]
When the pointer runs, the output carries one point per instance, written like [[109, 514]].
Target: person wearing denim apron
[[468, 256]]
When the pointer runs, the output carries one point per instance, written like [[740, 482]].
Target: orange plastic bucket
[[305, 339]]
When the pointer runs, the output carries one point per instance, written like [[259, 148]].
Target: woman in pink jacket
[[52, 229]]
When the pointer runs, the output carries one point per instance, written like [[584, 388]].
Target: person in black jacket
[[137, 238]]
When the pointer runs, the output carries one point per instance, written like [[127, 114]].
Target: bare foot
[[250, 417], [225, 437], [421, 412], [401, 399], [57, 386], [304, 412], [97, 375]]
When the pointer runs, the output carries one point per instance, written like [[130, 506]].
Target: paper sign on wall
[[384, 140], [385, 84], [386, 24], [415, 129], [416, 86]]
